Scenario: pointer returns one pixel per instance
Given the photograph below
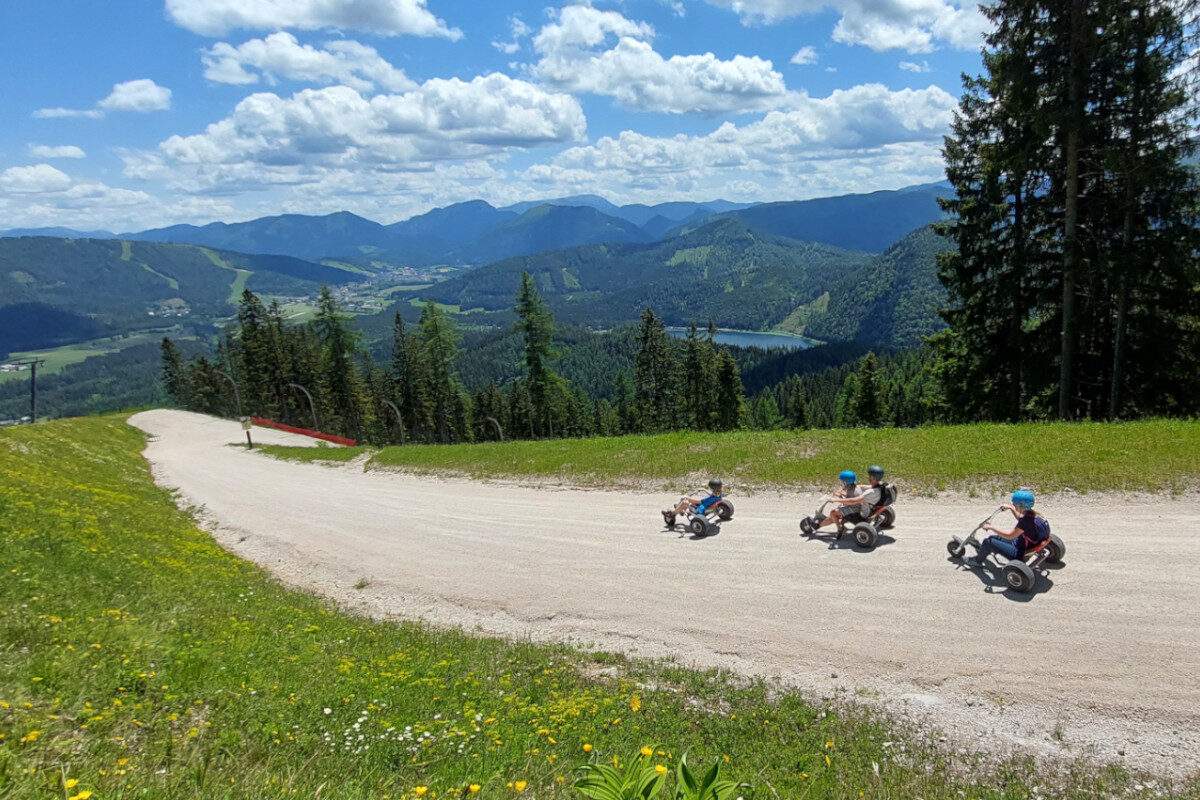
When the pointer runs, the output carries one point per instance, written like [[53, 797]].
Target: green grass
[[316, 454], [1085, 457], [141, 660], [59, 358]]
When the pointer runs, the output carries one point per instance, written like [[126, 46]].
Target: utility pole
[[33, 364]]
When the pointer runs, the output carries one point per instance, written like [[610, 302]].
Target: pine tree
[[176, 379], [731, 401], [766, 413], [412, 381], [342, 384], [441, 348], [626, 404], [654, 378], [866, 407], [536, 325]]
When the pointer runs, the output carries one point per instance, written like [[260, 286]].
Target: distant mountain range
[[476, 232]]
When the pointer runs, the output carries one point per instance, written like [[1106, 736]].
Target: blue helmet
[[848, 476], [1023, 499]]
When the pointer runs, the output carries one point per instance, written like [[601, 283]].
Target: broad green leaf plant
[[642, 779]]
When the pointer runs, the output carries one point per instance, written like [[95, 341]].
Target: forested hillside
[[726, 272], [891, 301], [64, 290]]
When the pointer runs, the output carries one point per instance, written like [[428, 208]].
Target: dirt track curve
[[1103, 661]]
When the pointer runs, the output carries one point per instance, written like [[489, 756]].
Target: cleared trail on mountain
[[1101, 661]]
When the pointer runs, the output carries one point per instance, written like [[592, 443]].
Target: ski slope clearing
[[1100, 662]]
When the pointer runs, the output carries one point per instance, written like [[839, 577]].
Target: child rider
[[700, 506]]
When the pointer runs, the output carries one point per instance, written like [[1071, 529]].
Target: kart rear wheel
[[887, 518], [1019, 577], [956, 549], [698, 526], [725, 510], [1055, 550], [865, 535]]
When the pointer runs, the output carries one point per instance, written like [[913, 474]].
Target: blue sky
[[142, 113]]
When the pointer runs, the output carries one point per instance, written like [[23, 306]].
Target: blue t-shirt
[[708, 503]]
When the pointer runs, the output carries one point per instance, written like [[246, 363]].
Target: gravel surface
[[1102, 661]]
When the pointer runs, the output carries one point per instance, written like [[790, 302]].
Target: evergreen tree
[[654, 378], [626, 404], [699, 379], [412, 381], [731, 402], [441, 341], [341, 382], [865, 406], [536, 325], [176, 379], [766, 413]]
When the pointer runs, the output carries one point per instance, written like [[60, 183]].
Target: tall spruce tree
[[176, 379], [731, 399], [536, 325], [1074, 266], [441, 347], [655, 376]]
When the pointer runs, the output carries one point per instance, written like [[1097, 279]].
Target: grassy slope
[[1134, 456], [140, 659]]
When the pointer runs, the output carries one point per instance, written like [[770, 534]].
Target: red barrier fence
[[279, 426]]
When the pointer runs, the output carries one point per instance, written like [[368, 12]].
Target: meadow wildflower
[[587, 748], [520, 786]]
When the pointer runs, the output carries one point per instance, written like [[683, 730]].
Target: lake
[[752, 339]]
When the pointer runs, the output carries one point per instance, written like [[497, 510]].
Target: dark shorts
[[854, 517]]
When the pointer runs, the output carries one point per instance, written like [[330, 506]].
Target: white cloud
[[385, 17], [273, 140], [519, 30], [573, 57], [142, 95], [37, 179], [56, 151], [912, 25], [58, 113], [912, 66], [805, 56], [858, 139], [280, 55]]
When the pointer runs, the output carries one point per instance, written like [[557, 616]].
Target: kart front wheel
[[806, 526], [725, 510], [955, 548], [699, 526], [1018, 577], [1055, 550], [864, 535]]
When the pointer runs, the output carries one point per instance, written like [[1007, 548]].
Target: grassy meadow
[[140, 660], [1161, 455]]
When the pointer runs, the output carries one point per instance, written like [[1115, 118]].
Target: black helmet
[[715, 484], [875, 472]]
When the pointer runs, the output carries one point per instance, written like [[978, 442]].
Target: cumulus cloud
[[912, 66], [805, 56], [855, 139], [56, 151], [37, 179], [385, 17], [912, 25], [273, 140], [141, 96], [280, 55], [577, 54]]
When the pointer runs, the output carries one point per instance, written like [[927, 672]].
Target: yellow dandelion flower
[[635, 703], [420, 790], [30, 737], [829, 744], [646, 751], [660, 769], [587, 748], [474, 788], [520, 786], [84, 795], [71, 784], [828, 763]]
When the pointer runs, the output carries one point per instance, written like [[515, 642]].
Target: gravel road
[[1102, 661]]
